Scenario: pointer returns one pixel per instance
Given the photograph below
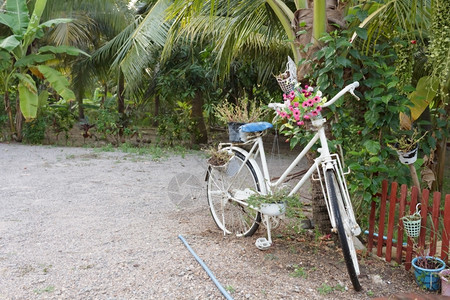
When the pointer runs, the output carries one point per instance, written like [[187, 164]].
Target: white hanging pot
[[273, 209], [408, 158]]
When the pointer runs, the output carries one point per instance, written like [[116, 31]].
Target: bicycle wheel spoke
[[231, 216]]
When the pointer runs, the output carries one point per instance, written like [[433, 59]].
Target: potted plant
[[407, 145], [236, 115], [272, 204], [219, 158], [445, 282], [426, 271]]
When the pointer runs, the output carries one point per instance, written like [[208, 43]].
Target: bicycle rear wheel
[[233, 217], [343, 227]]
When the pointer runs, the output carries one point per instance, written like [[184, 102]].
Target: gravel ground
[[76, 223]]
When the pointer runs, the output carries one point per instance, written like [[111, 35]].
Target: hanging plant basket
[[412, 223], [288, 79], [409, 157], [412, 226]]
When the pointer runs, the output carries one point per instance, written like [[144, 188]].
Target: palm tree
[[94, 24]]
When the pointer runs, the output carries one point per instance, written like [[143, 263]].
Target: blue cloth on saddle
[[255, 127]]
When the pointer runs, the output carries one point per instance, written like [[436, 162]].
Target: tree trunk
[[201, 135], [9, 112], [105, 94], [157, 108], [79, 98], [19, 121], [121, 104], [321, 219]]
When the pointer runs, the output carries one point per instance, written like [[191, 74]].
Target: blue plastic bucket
[[428, 278]]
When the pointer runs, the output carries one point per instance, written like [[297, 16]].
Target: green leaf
[[423, 95], [386, 98], [63, 49], [10, 43], [58, 82], [18, 10], [362, 33], [373, 147], [33, 59], [374, 159], [43, 97], [7, 20], [343, 61], [52, 22], [33, 26], [28, 101], [27, 81]]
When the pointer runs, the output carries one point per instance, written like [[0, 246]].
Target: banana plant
[[23, 62]]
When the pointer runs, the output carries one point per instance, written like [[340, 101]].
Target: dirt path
[[76, 223]]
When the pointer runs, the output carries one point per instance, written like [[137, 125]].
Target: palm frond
[[136, 53], [407, 18]]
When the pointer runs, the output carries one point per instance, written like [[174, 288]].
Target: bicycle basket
[[412, 227], [288, 79]]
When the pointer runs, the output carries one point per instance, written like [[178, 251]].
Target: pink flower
[[296, 104], [300, 123], [284, 97], [306, 86], [314, 113], [310, 102], [306, 117], [305, 104], [318, 108], [316, 99], [291, 95], [307, 94]]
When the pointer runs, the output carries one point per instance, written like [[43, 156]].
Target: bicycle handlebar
[[349, 88]]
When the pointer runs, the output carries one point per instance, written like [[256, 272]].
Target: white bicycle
[[227, 190]]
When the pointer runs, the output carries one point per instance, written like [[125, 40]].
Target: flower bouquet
[[300, 105]]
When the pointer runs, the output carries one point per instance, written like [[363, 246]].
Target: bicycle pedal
[[262, 244]]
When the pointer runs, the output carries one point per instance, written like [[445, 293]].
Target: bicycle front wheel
[[343, 227], [233, 217]]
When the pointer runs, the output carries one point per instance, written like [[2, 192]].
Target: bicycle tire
[[345, 235], [230, 216]]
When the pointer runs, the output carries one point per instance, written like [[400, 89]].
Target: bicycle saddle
[[255, 127]]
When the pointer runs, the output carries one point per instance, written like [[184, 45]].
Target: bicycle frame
[[324, 162]]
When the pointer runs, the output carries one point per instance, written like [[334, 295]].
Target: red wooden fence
[[435, 224]]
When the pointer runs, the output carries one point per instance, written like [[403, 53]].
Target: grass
[[47, 289], [156, 152], [299, 272]]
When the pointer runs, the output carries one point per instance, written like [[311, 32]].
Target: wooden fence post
[[401, 213], [384, 190], [446, 229], [391, 219]]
